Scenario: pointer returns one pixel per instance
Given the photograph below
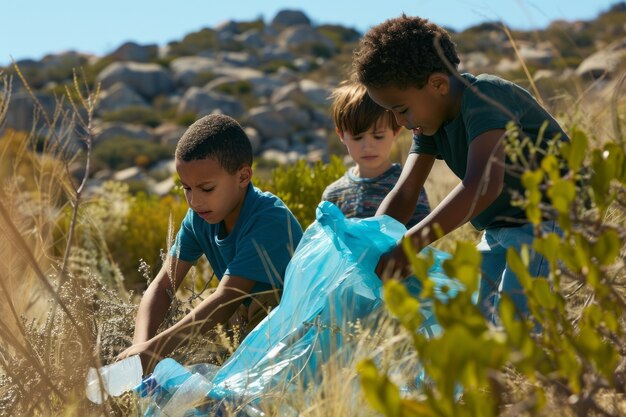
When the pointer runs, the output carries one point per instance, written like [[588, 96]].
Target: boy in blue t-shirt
[[368, 131], [408, 66], [247, 235]]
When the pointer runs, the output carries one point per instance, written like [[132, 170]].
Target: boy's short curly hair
[[402, 52], [216, 136], [354, 111]]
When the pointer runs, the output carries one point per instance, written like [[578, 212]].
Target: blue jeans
[[496, 276]]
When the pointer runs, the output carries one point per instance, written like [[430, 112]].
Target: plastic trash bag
[[329, 284]]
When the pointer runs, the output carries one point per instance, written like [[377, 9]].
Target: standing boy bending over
[[462, 120], [248, 237], [368, 131]]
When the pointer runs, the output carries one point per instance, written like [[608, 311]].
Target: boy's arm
[[215, 309], [401, 201], [156, 301], [482, 184]]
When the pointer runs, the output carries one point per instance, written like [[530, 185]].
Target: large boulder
[[315, 92], [190, 70], [109, 130], [131, 51], [605, 62], [149, 80], [119, 96], [296, 37], [252, 39], [201, 102], [22, 109], [290, 18], [293, 114], [268, 122]]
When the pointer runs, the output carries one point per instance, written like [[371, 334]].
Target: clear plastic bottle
[[116, 378]]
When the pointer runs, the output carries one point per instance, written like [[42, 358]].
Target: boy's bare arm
[[401, 201], [482, 184], [215, 309], [156, 301]]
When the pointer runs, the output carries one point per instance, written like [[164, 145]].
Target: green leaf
[[464, 265], [562, 193], [379, 391], [543, 293], [577, 149], [607, 247], [550, 165], [402, 305], [549, 246]]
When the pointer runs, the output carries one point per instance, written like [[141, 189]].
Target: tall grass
[[62, 312]]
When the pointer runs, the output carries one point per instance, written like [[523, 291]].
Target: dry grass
[[59, 315]]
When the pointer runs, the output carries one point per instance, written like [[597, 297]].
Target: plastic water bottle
[[116, 378]]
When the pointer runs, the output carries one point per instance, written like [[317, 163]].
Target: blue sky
[[33, 28]]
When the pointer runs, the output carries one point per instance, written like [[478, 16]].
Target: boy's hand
[[146, 354], [393, 264]]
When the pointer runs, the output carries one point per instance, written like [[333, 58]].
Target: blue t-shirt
[[258, 248]]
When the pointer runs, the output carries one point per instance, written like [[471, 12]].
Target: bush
[[120, 152], [571, 363], [134, 114], [301, 185]]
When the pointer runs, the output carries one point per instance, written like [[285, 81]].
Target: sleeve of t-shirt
[[424, 144], [265, 249], [488, 109], [186, 246]]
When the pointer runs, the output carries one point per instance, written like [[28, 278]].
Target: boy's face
[[370, 149], [211, 191], [422, 110]]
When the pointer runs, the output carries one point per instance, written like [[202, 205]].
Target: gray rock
[[321, 119], [252, 39], [541, 54], [295, 37], [268, 122], [315, 92], [290, 17], [186, 70], [275, 53], [605, 62], [68, 60], [119, 96], [280, 157], [20, 112], [255, 138], [239, 59], [164, 187], [127, 174], [278, 144], [109, 130], [149, 80], [293, 114], [290, 92], [168, 133], [201, 102], [131, 51]]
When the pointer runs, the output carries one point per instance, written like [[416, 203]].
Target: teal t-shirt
[[258, 248], [477, 116]]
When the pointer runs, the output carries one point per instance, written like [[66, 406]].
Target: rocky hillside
[[275, 78]]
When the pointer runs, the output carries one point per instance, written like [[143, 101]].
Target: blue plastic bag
[[330, 283]]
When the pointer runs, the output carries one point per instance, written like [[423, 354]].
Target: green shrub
[[300, 185], [134, 114], [120, 152], [572, 361]]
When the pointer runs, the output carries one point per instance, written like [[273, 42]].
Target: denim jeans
[[497, 277]]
